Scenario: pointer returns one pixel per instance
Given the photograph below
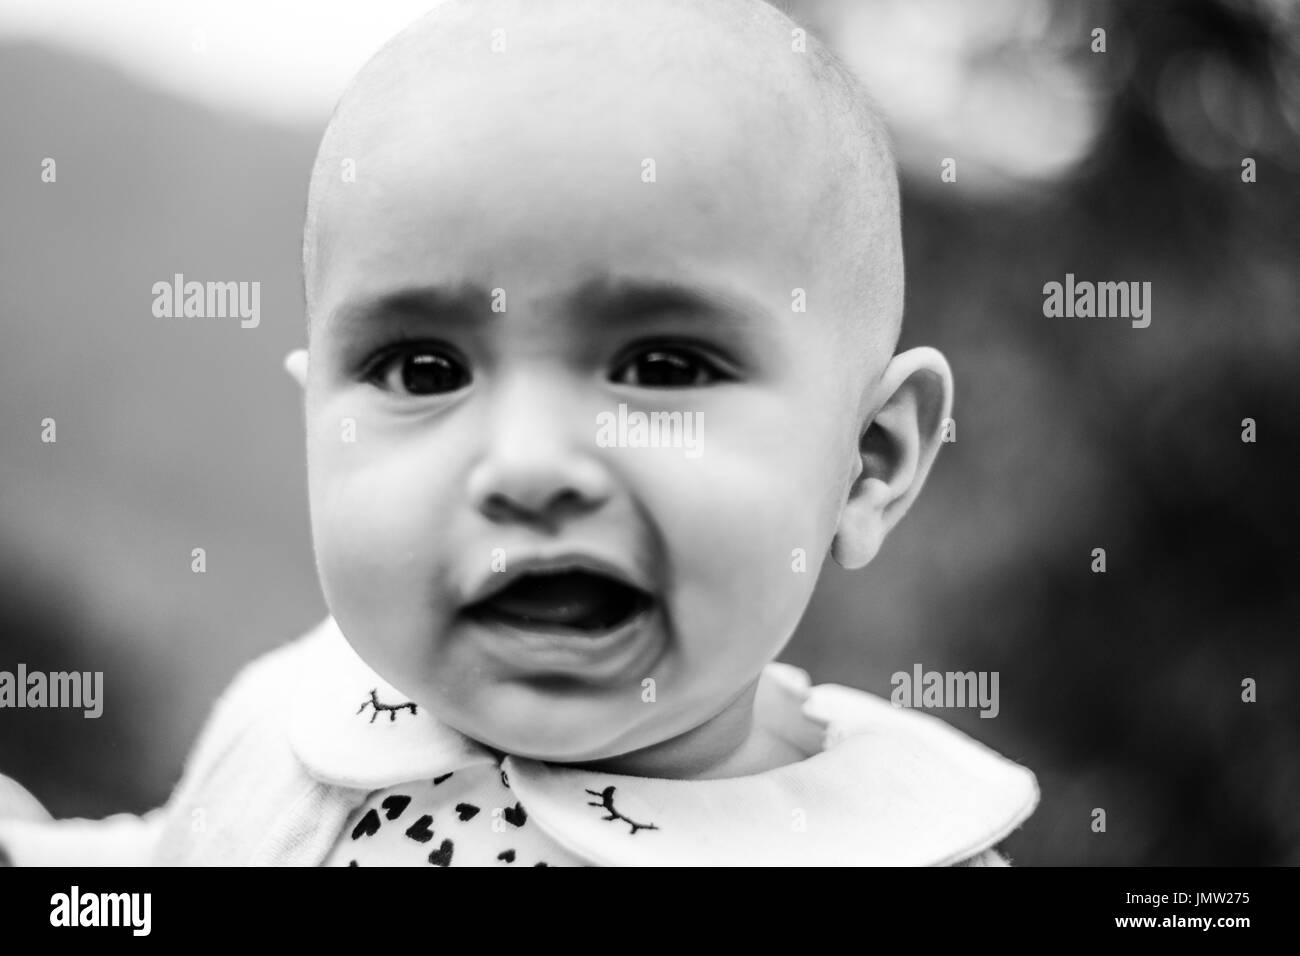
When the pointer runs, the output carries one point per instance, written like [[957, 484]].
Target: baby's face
[[498, 282]]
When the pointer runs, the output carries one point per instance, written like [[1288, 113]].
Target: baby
[[551, 642]]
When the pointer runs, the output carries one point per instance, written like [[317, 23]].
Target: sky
[[225, 53], [995, 88]]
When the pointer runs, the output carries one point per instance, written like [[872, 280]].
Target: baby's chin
[[552, 722]]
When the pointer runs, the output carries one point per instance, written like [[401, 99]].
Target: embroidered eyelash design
[[392, 709], [607, 801]]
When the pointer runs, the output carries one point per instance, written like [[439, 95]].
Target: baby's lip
[[517, 566]]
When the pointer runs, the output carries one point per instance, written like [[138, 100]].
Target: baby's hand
[[16, 803]]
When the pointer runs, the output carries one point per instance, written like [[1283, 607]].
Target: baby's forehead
[[727, 120]]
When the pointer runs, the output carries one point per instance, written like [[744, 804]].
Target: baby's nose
[[539, 463]]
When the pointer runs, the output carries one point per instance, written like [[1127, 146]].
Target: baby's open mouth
[[578, 599]]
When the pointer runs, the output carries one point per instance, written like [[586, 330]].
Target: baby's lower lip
[[545, 648]]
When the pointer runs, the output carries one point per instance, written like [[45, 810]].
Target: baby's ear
[[295, 363], [16, 803], [897, 448]]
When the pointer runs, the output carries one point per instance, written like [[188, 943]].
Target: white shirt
[[297, 752]]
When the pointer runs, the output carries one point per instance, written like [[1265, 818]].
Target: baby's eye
[[420, 370], [668, 367]]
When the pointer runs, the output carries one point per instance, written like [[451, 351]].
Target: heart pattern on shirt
[[419, 830], [516, 815], [394, 805], [442, 855], [367, 825], [453, 804]]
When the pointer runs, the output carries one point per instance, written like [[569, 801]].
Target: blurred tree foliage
[[1131, 680]]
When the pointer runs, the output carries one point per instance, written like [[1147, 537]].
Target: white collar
[[888, 787]]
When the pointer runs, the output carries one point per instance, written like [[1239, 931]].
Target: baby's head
[[529, 222]]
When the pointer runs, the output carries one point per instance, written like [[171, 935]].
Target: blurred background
[[184, 133]]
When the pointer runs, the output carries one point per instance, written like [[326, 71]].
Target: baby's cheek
[[377, 548], [745, 551], [378, 530]]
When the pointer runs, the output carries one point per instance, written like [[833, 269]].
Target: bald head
[[725, 88]]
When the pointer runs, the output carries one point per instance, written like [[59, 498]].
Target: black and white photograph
[[660, 433]]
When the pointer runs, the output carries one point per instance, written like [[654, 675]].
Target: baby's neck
[[732, 744]]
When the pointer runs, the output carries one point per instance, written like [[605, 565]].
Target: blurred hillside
[[1120, 690], [172, 434]]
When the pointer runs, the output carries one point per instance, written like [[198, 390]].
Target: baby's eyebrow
[[601, 302], [633, 301], [463, 304]]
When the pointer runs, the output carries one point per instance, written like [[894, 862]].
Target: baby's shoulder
[[903, 774], [823, 715], [284, 665], [260, 697]]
